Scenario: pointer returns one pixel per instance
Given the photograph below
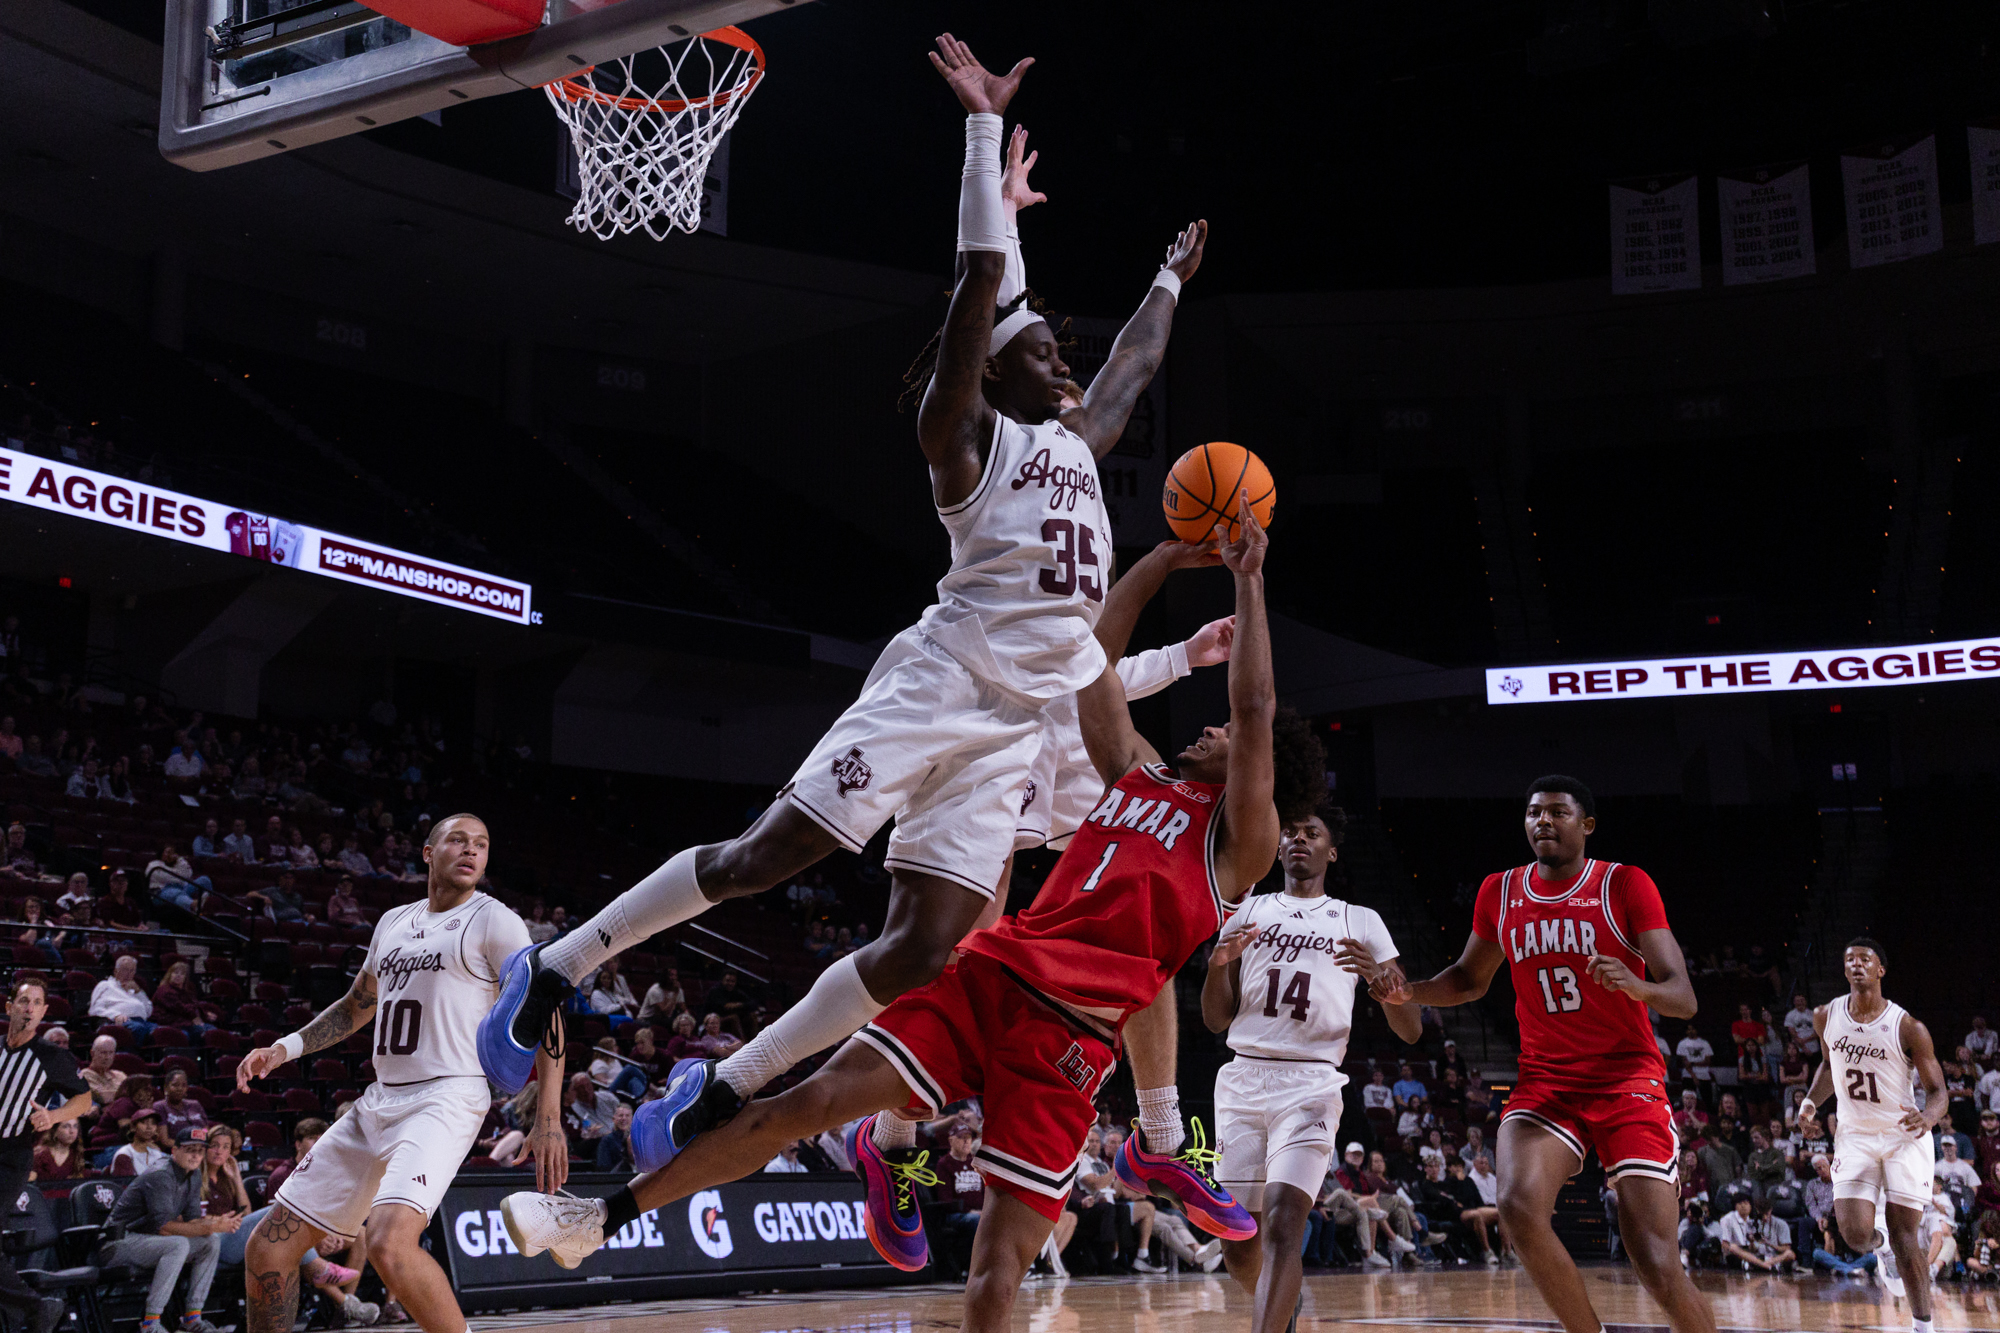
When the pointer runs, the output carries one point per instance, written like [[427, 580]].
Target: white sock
[[664, 898], [1160, 1118], [836, 1005], [1920, 1325], [892, 1132]]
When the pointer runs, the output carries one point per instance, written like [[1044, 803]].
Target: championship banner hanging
[[1747, 673], [58, 487], [1892, 201], [1984, 140], [1655, 235], [1767, 232]]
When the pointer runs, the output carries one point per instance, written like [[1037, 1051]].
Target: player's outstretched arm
[[335, 1024], [1113, 743], [1666, 987], [546, 1140], [1140, 348], [1461, 983], [1249, 842], [1138, 586], [1917, 1041]]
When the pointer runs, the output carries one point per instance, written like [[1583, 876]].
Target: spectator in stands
[[1478, 1100], [1986, 1143], [135, 1094], [1729, 1124], [1407, 1088], [57, 1155], [1750, 1075], [10, 741], [1766, 1164], [304, 1135], [1694, 1181], [1982, 1041], [178, 1004], [221, 1178], [608, 1070], [587, 1110], [1474, 1212], [559, 918], [172, 879], [1474, 1146], [1377, 1095], [787, 1161], [184, 764], [297, 852], [87, 784], [1759, 1240], [161, 1216], [684, 1045], [714, 1042], [1696, 1057], [177, 1110], [1953, 1169], [1453, 1060], [1792, 1069], [611, 995], [540, 931], [281, 901], [733, 1004], [104, 1081], [645, 1056], [31, 762], [238, 845], [118, 781], [343, 908], [36, 931], [1982, 1257], [955, 1200], [614, 1150], [208, 842], [116, 909], [1448, 1099], [75, 891], [1798, 1022], [1986, 1093], [664, 1000], [250, 786], [1718, 1159], [57, 1037], [119, 999], [142, 1151], [355, 862]]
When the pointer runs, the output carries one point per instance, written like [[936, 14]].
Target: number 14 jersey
[[436, 975], [1575, 1034], [1294, 1001]]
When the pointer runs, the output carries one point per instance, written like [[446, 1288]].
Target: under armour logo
[[851, 773], [1075, 1068]]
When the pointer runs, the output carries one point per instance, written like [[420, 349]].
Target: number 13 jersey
[[1575, 1034], [436, 975], [1294, 1002]]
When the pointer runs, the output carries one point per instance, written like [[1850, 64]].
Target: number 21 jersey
[[436, 975], [1575, 1034], [1871, 1070], [1294, 1001]]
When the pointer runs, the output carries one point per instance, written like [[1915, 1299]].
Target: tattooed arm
[[337, 1022]]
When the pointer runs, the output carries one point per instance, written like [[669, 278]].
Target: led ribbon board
[[63, 488], [1746, 673]]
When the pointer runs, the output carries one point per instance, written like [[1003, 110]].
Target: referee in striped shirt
[[30, 1071]]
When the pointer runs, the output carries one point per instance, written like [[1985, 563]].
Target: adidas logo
[[420, 1180], [604, 936]]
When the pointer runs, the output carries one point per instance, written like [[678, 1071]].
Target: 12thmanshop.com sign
[[1747, 673], [63, 488]]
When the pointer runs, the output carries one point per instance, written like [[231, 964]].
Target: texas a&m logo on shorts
[[851, 772], [1028, 797], [1075, 1068]]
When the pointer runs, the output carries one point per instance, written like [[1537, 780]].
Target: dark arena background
[[1629, 373]]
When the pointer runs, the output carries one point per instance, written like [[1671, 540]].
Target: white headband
[[1004, 331]]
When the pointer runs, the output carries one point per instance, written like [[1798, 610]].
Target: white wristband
[[982, 224], [1171, 282], [292, 1045]]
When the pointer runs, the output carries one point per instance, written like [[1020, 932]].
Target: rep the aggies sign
[[776, 1227], [1747, 673]]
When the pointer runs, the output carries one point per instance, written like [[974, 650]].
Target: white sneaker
[[1397, 1245], [1144, 1265], [359, 1311], [569, 1228], [1374, 1260], [1492, 1258], [1885, 1268]]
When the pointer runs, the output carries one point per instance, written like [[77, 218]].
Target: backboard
[[246, 79]]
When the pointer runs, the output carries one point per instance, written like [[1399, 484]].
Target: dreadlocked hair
[[1298, 770], [917, 379]]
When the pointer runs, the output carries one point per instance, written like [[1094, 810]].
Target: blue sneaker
[[515, 1027], [696, 1101]]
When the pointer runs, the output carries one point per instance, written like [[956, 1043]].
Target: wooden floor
[[1462, 1302]]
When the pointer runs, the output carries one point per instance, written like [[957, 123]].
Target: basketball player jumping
[[1882, 1149], [1278, 1102], [436, 966], [1029, 1017], [1590, 951], [943, 740]]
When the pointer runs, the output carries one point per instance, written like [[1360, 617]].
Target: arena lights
[[1746, 673], [63, 488]]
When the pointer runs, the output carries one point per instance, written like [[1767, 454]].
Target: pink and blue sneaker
[[1188, 1176], [893, 1222]]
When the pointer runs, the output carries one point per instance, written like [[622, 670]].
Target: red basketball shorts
[[1632, 1132], [976, 1032]]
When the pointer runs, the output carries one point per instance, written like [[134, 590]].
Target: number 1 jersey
[[1575, 1034], [436, 975], [1294, 1002]]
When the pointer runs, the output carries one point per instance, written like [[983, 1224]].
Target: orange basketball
[[1206, 486]]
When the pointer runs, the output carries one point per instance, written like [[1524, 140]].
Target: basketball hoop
[[645, 126]]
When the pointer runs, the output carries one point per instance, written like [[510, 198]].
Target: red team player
[[1029, 1017], [1590, 952]]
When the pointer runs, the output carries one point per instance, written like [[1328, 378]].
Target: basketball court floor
[[1458, 1302]]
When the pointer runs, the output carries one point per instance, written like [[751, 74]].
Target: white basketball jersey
[[436, 975], [1872, 1074], [1295, 1002], [1030, 561]]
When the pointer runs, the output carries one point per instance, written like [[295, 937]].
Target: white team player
[[1876, 1053], [1282, 981], [943, 740], [433, 967]]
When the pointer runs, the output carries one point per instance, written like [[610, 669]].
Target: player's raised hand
[[1230, 947], [1613, 975], [1014, 187], [1245, 555], [1184, 255], [978, 91], [1188, 555], [551, 1149], [262, 1061], [1210, 644]]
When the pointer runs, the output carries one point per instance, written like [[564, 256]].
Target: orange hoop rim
[[571, 89]]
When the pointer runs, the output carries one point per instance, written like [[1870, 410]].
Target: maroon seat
[[256, 1015], [262, 1134], [327, 1069], [225, 990], [271, 992], [127, 1062], [298, 1015], [303, 1100], [165, 1036], [187, 1064], [251, 1100], [218, 1039]]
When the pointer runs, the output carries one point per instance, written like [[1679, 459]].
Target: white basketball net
[[643, 148]]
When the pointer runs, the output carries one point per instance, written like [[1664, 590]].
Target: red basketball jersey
[[1132, 898], [1575, 1034]]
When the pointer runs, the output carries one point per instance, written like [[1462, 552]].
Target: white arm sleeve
[[1153, 670], [981, 221], [1014, 280]]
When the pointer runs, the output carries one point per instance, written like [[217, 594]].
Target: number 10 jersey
[[1575, 1034], [436, 975], [1294, 1001]]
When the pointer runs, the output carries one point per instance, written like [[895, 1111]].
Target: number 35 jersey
[[1294, 1001], [436, 975], [1575, 1034]]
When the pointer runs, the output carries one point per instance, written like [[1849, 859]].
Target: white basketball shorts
[[1063, 785], [1275, 1121], [1894, 1164], [944, 753], [396, 1145]]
